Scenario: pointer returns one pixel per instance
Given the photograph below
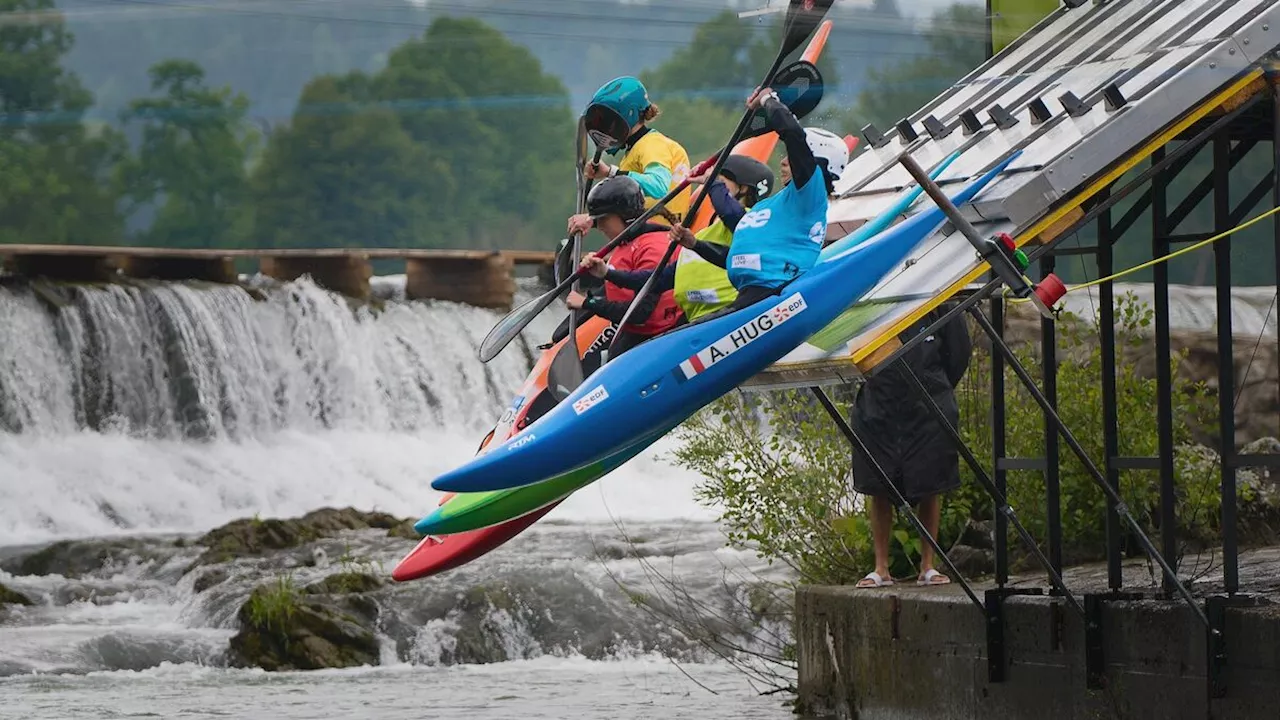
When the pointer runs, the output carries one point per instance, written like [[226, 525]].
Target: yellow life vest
[[701, 287], [654, 147]]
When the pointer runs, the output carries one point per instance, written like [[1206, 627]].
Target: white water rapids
[[169, 407], [140, 411]]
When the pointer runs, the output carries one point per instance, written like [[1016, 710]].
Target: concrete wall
[[921, 654]]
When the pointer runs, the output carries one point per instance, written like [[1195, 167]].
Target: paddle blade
[[803, 17], [510, 326], [565, 374], [799, 87]]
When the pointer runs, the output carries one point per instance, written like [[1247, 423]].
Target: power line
[[905, 26]]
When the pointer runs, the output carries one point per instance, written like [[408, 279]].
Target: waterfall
[[177, 406]]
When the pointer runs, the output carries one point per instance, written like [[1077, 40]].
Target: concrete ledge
[[211, 269], [477, 277], [484, 282], [71, 268], [914, 653], [347, 274]]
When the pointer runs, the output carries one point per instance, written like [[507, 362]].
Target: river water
[[155, 412]]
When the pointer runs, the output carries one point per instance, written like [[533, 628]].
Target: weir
[[484, 278], [1107, 102]]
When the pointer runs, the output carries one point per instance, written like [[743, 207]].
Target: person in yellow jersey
[[617, 118], [701, 287]]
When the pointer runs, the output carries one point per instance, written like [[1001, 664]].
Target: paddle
[[803, 17], [565, 372], [805, 94]]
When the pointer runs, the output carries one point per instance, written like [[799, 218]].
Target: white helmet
[[828, 146]]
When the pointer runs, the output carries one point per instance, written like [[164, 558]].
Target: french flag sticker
[[691, 367]]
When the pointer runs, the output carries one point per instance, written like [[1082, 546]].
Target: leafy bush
[[1083, 504], [779, 469]]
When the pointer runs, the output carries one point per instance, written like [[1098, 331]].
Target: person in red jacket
[[611, 206]]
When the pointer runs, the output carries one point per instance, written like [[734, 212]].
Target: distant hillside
[[269, 49]]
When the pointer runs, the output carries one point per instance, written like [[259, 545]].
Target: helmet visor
[[606, 127]]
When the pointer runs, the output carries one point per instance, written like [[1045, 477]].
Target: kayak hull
[[475, 511], [435, 555], [667, 379]]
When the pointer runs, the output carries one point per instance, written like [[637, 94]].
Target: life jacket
[[780, 237], [644, 253], [702, 287], [654, 148]]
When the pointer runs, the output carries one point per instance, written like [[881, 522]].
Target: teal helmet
[[617, 107]]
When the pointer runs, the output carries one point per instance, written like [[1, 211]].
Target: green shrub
[[1083, 503], [778, 468], [271, 607]]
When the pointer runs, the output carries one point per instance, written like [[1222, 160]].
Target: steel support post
[[1226, 362], [1164, 374], [1052, 469], [998, 437], [1001, 347], [1110, 412]]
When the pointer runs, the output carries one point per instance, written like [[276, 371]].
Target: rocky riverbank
[[315, 592]]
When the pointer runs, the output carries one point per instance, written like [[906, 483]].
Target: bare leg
[[931, 516], [881, 525]]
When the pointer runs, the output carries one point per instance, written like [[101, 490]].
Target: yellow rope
[[1165, 258]]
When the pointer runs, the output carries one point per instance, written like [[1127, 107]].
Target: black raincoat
[[896, 423]]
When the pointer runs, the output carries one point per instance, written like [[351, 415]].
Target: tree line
[[460, 139]]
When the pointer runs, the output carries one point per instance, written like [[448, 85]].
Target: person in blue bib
[[783, 235]]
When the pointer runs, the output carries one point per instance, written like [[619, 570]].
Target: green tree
[[725, 60], [701, 88], [192, 157], [482, 142], [54, 171], [344, 177], [956, 40], [484, 105]]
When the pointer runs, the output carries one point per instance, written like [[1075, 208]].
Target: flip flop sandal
[[933, 577], [875, 581]]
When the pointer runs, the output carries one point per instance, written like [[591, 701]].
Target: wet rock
[[282, 628], [979, 534], [210, 579], [404, 530], [971, 561], [344, 583], [75, 558], [254, 537], [13, 597]]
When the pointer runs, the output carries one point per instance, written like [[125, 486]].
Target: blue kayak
[[669, 378]]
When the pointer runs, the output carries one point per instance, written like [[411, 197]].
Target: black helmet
[[618, 195], [749, 172]]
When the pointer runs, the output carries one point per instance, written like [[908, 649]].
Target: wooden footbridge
[[485, 278]]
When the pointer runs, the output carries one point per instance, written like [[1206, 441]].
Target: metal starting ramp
[[1085, 95]]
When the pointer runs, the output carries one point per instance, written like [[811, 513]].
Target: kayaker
[[620, 111], [782, 236], [701, 287], [611, 206]]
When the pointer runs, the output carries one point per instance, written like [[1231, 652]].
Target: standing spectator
[[906, 440]]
